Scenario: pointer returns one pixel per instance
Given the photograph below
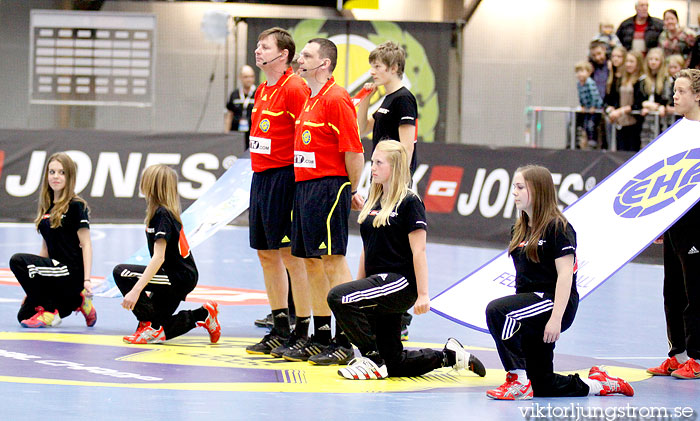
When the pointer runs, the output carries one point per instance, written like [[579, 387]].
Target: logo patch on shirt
[[264, 125], [306, 137], [304, 159], [260, 145], [383, 111], [150, 230]]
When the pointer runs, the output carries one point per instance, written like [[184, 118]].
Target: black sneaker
[[264, 322], [310, 348], [268, 323], [267, 344], [334, 355], [294, 342]]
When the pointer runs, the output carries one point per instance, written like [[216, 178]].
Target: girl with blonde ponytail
[[155, 291], [392, 277]]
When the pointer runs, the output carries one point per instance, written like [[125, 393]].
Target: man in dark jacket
[[641, 31]]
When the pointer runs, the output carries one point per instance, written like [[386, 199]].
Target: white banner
[[614, 222]]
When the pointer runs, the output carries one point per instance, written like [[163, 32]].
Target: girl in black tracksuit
[[393, 278], [170, 275], [526, 325], [57, 281]]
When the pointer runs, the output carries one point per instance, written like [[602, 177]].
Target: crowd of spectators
[[632, 70]]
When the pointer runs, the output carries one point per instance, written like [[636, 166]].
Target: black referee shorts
[[270, 213], [320, 217]]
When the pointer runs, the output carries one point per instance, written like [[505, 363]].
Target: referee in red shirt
[[328, 161], [278, 102]]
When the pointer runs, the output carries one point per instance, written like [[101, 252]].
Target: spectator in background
[[694, 61], [641, 31], [240, 105], [629, 98], [601, 66], [657, 88], [612, 86], [590, 100], [675, 39], [606, 35], [601, 73], [674, 64]]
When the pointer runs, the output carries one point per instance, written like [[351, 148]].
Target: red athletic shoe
[[211, 324], [511, 390], [610, 384], [131, 337], [42, 318], [88, 309], [149, 335], [666, 368], [689, 370]]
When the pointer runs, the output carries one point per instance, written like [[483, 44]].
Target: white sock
[[594, 386], [522, 375], [682, 357]]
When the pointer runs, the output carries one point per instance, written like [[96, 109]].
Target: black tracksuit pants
[[369, 311], [47, 283], [166, 293], [517, 324], [682, 284]]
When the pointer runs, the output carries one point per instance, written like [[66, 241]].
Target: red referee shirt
[[325, 130], [272, 121]]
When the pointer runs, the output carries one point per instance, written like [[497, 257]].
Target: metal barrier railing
[[535, 120]]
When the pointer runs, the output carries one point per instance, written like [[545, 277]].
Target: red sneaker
[[689, 370], [211, 324], [149, 335], [666, 368], [131, 337], [42, 318], [88, 309], [511, 390], [610, 384]]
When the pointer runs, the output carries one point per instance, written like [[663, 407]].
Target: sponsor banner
[[427, 47], [109, 165], [222, 203], [614, 222]]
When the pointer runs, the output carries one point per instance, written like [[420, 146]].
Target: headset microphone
[[306, 70], [269, 61]]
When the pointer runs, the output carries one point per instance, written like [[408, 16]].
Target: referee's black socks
[[322, 329], [280, 319]]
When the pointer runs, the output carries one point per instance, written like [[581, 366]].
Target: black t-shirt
[[63, 243], [387, 248], [235, 105], [542, 277], [179, 263], [398, 108]]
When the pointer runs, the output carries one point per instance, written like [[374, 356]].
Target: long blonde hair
[[615, 74], [632, 78], [46, 194], [654, 83], [159, 185], [543, 198], [397, 157]]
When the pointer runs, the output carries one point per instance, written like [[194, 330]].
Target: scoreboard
[[92, 58]]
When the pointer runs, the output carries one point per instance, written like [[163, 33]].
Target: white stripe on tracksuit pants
[[369, 311]]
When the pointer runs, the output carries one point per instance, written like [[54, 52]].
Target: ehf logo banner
[[614, 222]]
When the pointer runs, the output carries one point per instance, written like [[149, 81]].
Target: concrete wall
[[507, 46]]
